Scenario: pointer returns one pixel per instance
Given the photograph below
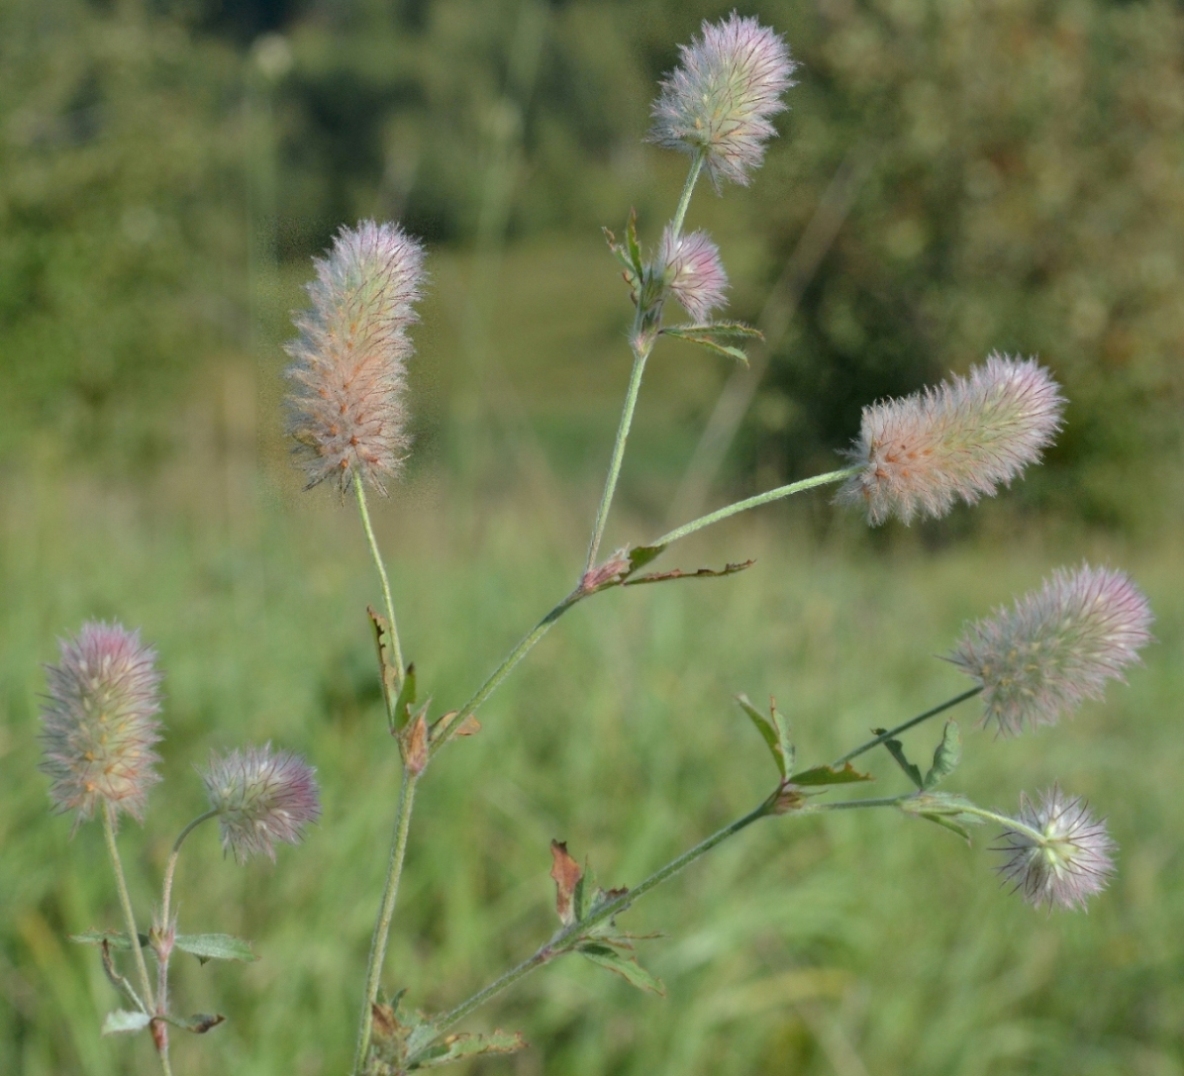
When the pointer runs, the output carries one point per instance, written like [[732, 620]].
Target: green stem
[[382, 928], [525, 645], [171, 868], [614, 467], [754, 502], [1006, 821], [891, 734], [129, 918], [386, 585], [684, 201], [570, 935]]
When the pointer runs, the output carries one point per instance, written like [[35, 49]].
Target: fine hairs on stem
[[915, 457]]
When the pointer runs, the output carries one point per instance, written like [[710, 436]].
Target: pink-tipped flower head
[[349, 362], [960, 440], [719, 99], [99, 722], [1056, 647], [1063, 854], [261, 796], [691, 268]]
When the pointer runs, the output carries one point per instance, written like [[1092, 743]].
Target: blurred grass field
[[862, 944]]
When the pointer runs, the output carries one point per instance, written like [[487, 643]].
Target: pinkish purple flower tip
[[99, 722], [691, 268], [1056, 647], [348, 412], [1060, 855], [261, 796], [961, 440], [719, 99]]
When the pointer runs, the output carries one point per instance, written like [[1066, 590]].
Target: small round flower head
[[1070, 860], [1056, 647], [349, 361], [693, 272], [99, 722], [719, 99], [261, 796], [960, 440]]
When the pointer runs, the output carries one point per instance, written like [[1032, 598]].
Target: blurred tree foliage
[[1021, 188]]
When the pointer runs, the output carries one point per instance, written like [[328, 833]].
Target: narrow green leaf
[[198, 1023], [624, 965], [632, 245], [723, 329], [405, 700], [462, 1046], [641, 555], [950, 824], [946, 756], [121, 1021], [769, 732], [116, 939], [584, 896], [421, 1034], [942, 804], [387, 672], [828, 775], [896, 750], [709, 343], [215, 947], [785, 746], [698, 573]]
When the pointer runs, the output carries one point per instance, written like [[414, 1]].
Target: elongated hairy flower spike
[[719, 99], [959, 440], [693, 272], [261, 796], [1056, 647], [349, 362], [1070, 861], [99, 722]]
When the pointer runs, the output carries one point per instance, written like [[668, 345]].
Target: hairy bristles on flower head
[[719, 99], [261, 796], [99, 722], [1061, 856], [349, 368], [1056, 647], [692, 271], [962, 439]]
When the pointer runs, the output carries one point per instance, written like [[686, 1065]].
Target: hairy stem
[[754, 502], [891, 734], [1007, 822], [125, 903], [567, 938], [684, 200], [171, 868], [386, 585], [382, 928]]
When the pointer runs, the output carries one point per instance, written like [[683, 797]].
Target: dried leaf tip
[[99, 722], [960, 440], [347, 404], [719, 99], [1056, 647], [261, 796], [1059, 855]]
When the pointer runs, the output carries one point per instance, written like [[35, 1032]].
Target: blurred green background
[[952, 178]]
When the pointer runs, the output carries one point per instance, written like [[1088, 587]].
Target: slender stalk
[[171, 868], [382, 928], [1006, 821], [525, 645], [614, 467], [754, 502], [570, 935], [129, 918], [684, 200], [893, 733], [386, 585]]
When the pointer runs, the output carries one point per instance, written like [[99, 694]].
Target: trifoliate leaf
[[625, 965]]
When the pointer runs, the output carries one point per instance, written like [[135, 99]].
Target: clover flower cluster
[[719, 100], [960, 440], [348, 411], [691, 268], [1055, 647]]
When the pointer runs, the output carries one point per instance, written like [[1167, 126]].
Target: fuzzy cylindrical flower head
[[691, 268], [99, 722], [261, 796], [348, 411], [1056, 647], [1067, 859], [719, 99], [962, 440]]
